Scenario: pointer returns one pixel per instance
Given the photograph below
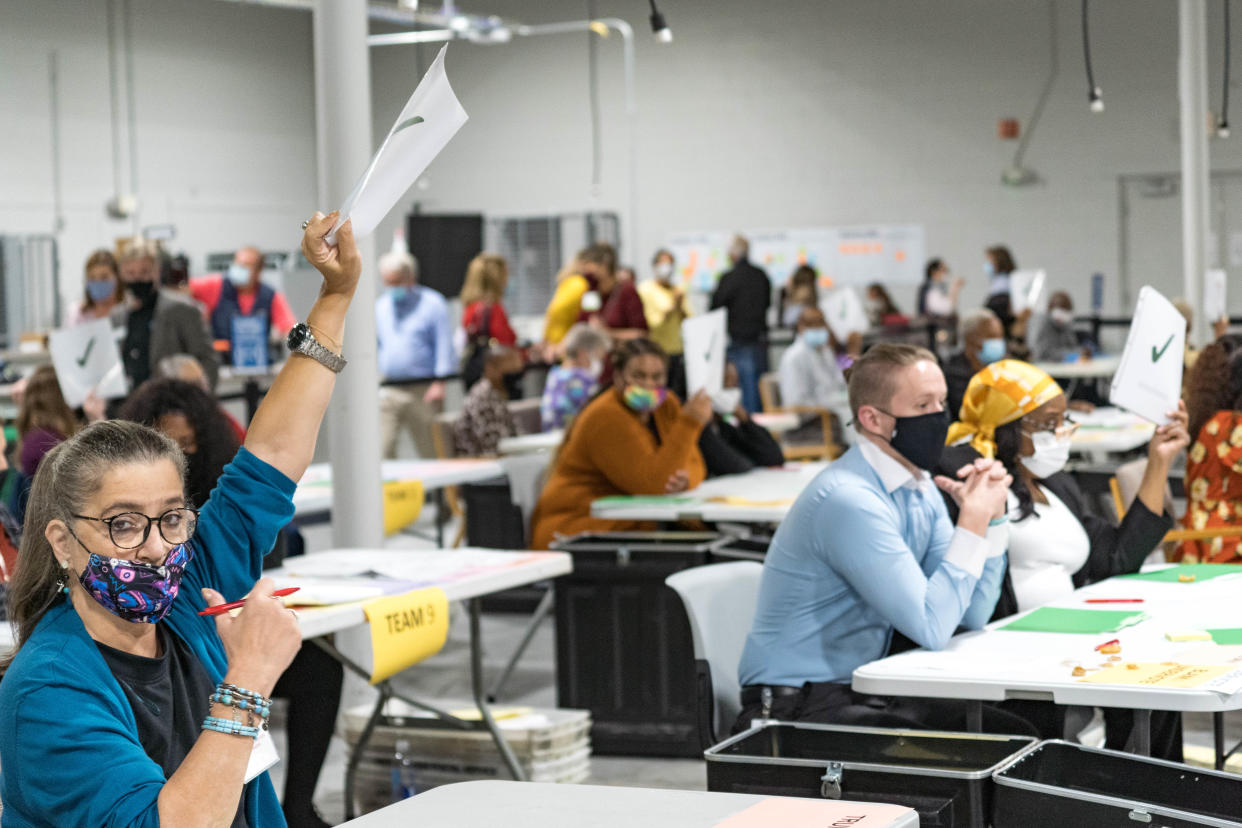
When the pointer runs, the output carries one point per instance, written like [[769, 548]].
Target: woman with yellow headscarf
[[1016, 413]]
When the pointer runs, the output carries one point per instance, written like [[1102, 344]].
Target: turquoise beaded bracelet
[[230, 728]]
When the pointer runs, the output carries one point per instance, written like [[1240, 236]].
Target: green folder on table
[[1226, 636], [1085, 621], [643, 500], [1200, 571]]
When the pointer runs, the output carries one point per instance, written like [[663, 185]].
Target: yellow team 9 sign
[[405, 629]]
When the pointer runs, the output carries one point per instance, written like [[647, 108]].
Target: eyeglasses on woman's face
[[130, 530]]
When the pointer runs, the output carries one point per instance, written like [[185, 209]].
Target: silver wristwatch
[[302, 341]]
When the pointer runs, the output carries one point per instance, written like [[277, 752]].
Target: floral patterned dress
[[1214, 477]]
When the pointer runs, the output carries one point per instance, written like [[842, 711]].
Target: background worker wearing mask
[[666, 306], [1055, 339], [415, 343], [160, 323], [1015, 413], [810, 376], [240, 292], [983, 342]]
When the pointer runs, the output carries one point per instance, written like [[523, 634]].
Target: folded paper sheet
[[1149, 379], [426, 124]]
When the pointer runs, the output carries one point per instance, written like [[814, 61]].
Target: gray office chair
[[720, 602]]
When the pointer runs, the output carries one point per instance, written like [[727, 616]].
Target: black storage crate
[[946, 777], [623, 646], [1060, 783]]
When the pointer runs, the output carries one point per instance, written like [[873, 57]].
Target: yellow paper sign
[[405, 629], [734, 500], [1184, 676]]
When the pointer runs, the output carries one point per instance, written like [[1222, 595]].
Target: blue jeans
[[751, 359]]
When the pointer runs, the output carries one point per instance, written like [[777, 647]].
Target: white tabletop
[[777, 421], [531, 443], [461, 573], [490, 803], [995, 664], [758, 496], [1109, 431], [314, 492], [1101, 367]]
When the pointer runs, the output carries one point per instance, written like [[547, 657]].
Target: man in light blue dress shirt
[[415, 343], [868, 548]]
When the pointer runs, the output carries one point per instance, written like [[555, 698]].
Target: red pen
[[232, 605], [1114, 600]]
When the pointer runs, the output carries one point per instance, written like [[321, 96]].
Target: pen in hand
[[232, 605]]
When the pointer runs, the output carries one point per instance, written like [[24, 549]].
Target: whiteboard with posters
[[892, 254]]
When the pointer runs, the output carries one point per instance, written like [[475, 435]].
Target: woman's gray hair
[[67, 476], [582, 339]]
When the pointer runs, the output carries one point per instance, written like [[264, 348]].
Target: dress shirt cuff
[[998, 539], [968, 552]]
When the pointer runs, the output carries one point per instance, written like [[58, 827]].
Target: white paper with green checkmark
[[86, 357], [1149, 378], [845, 313], [703, 338], [426, 124]]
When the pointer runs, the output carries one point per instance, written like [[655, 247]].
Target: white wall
[[224, 98], [758, 115]]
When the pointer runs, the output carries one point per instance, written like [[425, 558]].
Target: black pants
[[312, 684], [829, 703]]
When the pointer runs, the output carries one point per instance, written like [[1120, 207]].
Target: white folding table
[[757, 496], [486, 804], [532, 443], [995, 664], [313, 498], [464, 575]]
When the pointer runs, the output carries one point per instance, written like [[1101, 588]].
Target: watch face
[[297, 336]]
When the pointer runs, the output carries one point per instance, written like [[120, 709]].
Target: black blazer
[[729, 449], [1114, 549]]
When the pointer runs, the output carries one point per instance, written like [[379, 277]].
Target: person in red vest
[[239, 292]]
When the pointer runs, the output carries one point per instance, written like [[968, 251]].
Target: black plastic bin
[[1060, 783], [623, 647], [946, 777]]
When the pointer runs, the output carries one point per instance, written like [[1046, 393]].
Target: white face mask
[[591, 301], [726, 400], [596, 367], [1051, 454], [1061, 316], [238, 274], [663, 271]]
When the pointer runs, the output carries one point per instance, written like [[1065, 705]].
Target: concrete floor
[[445, 678]]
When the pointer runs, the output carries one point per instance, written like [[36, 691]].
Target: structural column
[[343, 133], [1192, 91]]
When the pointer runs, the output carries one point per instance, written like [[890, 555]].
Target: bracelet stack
[[256, 707]]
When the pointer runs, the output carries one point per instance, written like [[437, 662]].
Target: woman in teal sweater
[[122, 706]]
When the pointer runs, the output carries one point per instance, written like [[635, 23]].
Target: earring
[[62, 583]]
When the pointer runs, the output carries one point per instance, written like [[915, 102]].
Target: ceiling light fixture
[[1095, 97], [659, 26]]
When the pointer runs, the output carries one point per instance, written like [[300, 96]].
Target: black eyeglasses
[[129, 530]]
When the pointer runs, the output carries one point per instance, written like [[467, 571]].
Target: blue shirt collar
[[892, 474]]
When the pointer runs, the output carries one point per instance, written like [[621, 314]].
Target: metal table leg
[[974, 716], [1218, 738], [476, 683], [351, 768], [1142, 732], [541, 612], [440, 518]]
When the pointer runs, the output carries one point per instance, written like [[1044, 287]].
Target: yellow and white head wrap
[[999, 394]]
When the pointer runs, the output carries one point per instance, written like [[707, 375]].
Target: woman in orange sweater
[[635, 438]]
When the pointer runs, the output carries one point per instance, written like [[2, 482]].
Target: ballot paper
[[1214, 306], [703, 341], [845, 313], [426, 124], [1149, 378], [1025, 289], [86, 358]]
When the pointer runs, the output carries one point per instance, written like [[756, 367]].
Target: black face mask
[[920, 439], [144, 292]]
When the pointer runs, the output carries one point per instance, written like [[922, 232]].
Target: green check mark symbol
[[409, 122], [1155, 355], [87, 353]]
